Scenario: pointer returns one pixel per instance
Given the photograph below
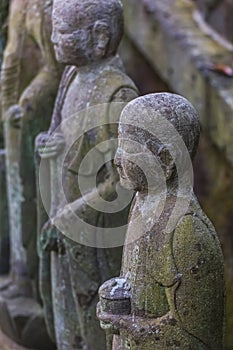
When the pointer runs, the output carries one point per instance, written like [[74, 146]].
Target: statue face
[[71, 35], [139, 168], [131, 160]]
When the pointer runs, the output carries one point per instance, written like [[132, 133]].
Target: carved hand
[[49, 146], [82, 207], [14, 116], [109, 322], [135, 326], [127, 324]]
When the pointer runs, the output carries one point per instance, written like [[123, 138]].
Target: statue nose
[[54, 38]]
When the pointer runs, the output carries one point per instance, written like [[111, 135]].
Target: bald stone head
[[156, 132], [86, 31]]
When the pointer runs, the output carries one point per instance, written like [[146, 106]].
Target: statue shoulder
[[193, 239], [199, 300], [116, 85]]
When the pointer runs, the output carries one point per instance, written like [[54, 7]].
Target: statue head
[[156, 132], [86, 31]]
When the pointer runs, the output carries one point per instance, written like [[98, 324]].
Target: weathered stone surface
[[7, 343], [86, 36], [27, 323], [3, 22], [4, 227], [28, 95], [167, 34], [209, 92], [3, 26], [172, 270]]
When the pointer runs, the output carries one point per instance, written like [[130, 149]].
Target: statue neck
[[100, 65]]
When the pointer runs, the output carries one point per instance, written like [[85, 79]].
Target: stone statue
[[29, 83], [4, 8], [170, 294], [4, 229], [86, 35]]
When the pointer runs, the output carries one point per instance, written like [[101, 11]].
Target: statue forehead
[[80, 10], [70, 12], [76, 5]]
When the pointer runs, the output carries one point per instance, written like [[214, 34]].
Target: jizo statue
[[27, 107], [170, 294], [4, 228], [86, 35], [3, 23], [29, 83]]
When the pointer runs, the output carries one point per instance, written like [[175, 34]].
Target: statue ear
[[101, 36], [167, 161]]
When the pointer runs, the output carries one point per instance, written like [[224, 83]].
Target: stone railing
[[218, 13]]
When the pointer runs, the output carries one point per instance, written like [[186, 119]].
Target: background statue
[[170, 294], [4, 228], [28, 95], [86, 35]]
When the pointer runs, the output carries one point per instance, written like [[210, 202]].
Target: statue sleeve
[[199, 298], [39, 95], [12, 54]]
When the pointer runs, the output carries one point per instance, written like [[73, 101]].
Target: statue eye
[[65, 30]]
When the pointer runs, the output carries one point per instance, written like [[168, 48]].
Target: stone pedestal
[[22, 324]]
